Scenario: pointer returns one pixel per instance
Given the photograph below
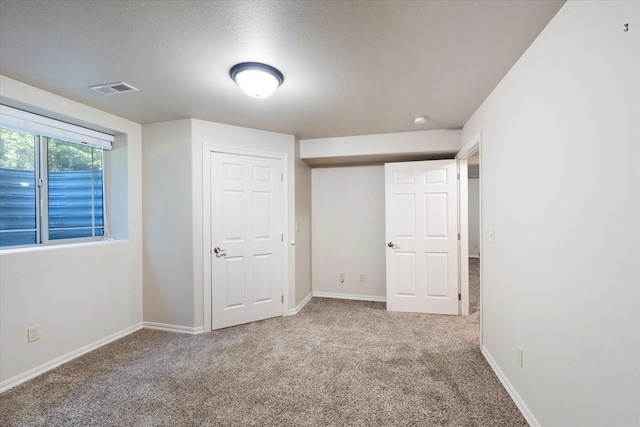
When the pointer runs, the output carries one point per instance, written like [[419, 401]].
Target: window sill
[[59, 246]]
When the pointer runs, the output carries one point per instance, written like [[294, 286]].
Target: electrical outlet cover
[[33, 334]]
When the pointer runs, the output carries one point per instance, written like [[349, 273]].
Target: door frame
[[206, 222], [470, 149]]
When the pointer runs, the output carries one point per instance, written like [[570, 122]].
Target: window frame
[[37, 126]]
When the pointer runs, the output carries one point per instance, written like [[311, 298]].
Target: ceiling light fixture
[[420, 120], [256, 79]]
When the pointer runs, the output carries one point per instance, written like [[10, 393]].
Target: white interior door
[[247, 239], [422, 236]]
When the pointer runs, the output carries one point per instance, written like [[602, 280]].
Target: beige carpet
[[474, 285], [336, 363]]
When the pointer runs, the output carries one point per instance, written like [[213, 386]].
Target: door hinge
[[283, 299], [459, 297], [458, 236], [281, 176], [458, 176], [282, 238]]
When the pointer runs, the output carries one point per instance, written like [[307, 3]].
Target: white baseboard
[[294, 311], [39, 370], [174, 328], [349, 296], [526, 413]]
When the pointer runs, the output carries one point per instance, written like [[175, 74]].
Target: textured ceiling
[[350, 67]]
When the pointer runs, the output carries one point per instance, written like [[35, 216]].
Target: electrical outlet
[[33, 333], [520, 356], [341, 277], [362, 277]]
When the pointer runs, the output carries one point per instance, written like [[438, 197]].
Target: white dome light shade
[[257, 83], [256, 79]]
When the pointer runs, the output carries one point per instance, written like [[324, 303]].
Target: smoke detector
[[114, 88]]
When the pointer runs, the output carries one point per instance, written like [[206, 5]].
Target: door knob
[[219, 252], [390, 244]]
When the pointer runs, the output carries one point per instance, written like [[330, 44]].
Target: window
[[51, 180]]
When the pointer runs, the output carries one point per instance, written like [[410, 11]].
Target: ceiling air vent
[[114, 88]]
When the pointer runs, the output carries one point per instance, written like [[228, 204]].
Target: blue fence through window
[[75, 205]]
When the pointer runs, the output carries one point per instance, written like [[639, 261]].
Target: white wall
[[348, 231], [474, 217], [381, 148], [561, 188], [81, 295], [168, 241], [174, 279], [303, 230]]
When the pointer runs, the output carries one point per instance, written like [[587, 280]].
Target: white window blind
[[23, 121]]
